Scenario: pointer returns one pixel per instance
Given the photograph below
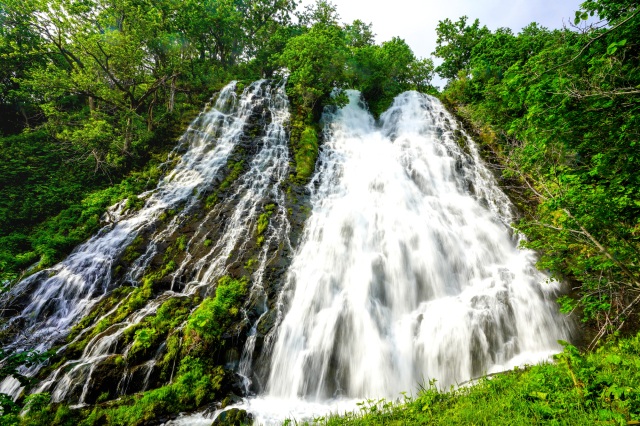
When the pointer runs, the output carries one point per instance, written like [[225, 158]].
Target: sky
[[415, 20]]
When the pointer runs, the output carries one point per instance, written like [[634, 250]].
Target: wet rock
[[267, 322], [233, 417], [104, 380]]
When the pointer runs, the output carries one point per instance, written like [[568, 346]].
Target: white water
[[408, 270], [266, 171], [62, 295]]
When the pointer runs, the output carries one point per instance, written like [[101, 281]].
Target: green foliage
[[316, 61], [235, 169], [48, 206], [133, 298], [561, 112], [454, 44], [383, 72], [132, 252], [263, 219], [193, 386], [10, 362], [263, 222], [306, 153], [208, 323], [602, 387], [154, 329]]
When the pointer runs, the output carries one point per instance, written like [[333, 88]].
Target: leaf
[[613, 47], [539, 395], [613, 359]]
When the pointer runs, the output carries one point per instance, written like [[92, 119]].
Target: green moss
[[306, 153], [249, 265], [132, 252], [207, 242], [154, 329], [211, 319], [104, 396], [181, 242], [196, 384], [211, 200], [136, 298], [134, 203], [104, 306], [235, 169], [263, 223]]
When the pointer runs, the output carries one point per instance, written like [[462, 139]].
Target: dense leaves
[[564, 112]]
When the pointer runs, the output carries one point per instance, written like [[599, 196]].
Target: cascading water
[[57, 298], [407, 271]]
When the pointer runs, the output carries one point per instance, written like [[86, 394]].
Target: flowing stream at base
[[408, 270]]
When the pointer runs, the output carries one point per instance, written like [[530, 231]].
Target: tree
[[316, 61], [454, 44]]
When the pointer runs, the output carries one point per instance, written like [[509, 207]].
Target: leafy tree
[[454, 44], [382, 72], [316, 61], [563, 110], [18, 44]]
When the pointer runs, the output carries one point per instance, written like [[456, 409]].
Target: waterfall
[[408, 270], [55, 299]]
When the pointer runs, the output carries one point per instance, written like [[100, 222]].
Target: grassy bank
[[597, 388]]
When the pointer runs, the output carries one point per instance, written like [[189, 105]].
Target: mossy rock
[[233, 417], [104, 380]]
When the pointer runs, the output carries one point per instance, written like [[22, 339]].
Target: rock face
[[105, 378]]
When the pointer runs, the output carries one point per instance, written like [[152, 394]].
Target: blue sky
[[415, 20]]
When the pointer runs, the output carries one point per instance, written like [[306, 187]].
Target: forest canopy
[[91, 91]]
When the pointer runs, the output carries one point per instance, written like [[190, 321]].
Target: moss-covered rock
[[105, 378], [233, 417]]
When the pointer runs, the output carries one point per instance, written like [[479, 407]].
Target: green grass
[[598, 388]]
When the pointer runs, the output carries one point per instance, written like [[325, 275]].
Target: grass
[[598, 388]]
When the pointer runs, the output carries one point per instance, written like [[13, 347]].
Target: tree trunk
[[150, 113], [172, 93], [127, 136], [26, 118]]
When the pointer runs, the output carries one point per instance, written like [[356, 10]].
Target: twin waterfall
[[405, 270], [408, 270]]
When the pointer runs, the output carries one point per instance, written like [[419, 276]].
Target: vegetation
[[602, 387], [197, 380], [93, 95], [560, 112]]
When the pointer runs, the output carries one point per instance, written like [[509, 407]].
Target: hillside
[[171, 178]]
